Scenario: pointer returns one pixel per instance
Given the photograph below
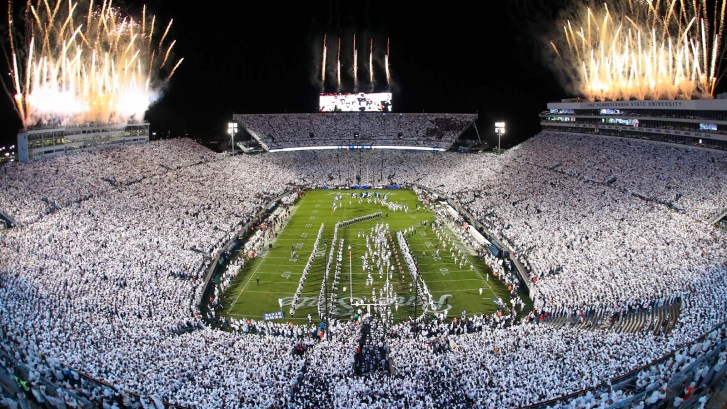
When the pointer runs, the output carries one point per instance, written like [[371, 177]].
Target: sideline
[[262, 257]]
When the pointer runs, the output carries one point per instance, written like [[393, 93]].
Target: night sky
[[262, 58]]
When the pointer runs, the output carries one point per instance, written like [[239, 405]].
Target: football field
[[365, 251]]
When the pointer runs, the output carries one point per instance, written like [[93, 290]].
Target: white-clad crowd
[[31, 190], [278, 131], [698, 189], [110, 255], [590, 242]]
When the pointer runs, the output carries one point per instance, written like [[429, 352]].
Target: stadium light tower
[[232, 130], [499, 130]]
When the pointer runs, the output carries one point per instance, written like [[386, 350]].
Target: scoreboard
[[359, 102]]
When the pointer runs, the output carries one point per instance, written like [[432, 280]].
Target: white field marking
[[247, 283]]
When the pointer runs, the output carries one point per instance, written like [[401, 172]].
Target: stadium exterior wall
[[700, 123], [47, 142]]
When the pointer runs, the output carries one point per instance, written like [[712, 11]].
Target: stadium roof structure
[[343, 130]]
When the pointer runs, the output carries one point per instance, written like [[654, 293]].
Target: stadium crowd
[[103, 271], [279, 131], [32, 190]]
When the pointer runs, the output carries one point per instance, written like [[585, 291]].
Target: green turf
[[279, 274]]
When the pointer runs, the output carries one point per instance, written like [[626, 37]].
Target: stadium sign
[[358, 102], [273, 315]]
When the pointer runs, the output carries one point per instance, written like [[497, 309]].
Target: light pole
[[350, 276], [499, 130], [232, 130]]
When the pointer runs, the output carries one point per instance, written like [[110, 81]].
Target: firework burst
[[643, 49], [386, 63], [338, 65], [371, 62], [323, 62], [355, 65], [74, 62]]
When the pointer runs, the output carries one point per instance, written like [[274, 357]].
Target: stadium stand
[[282, 131], [99, 279]]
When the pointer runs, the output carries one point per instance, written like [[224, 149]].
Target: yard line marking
[[467, 280], [292, 214], [283, 292]]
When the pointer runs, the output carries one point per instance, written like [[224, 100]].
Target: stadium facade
[[699, 122], [50, 141]]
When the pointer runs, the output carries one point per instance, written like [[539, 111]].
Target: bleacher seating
[[100, 276], [281, 131]]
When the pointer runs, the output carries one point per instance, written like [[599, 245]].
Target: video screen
[[621, 121], [607, 111], [360, 102]]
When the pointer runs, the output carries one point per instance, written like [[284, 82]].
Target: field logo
[[344, 308]]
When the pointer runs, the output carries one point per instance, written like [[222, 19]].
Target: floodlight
[[232, 130], [499, 130]]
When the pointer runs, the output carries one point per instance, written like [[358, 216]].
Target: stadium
[[362, 257]]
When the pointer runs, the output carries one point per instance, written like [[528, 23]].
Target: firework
[[386, 63], [371, 62], [338, 65], [355, 65], [323, 62], [99, 67], [643, 49], [342, 71]]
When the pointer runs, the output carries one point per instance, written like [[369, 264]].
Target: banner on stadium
[[267, 316]]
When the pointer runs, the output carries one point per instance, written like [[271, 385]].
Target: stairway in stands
[[6, 220], [372, 354]]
